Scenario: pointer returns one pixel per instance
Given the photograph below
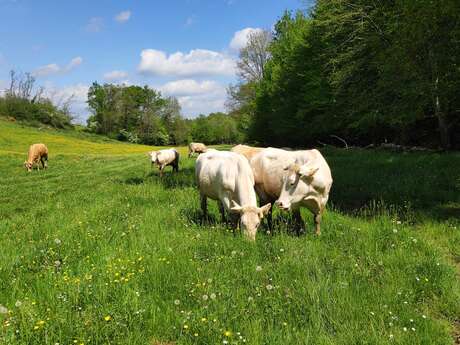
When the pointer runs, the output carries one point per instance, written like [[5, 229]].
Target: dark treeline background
[[367, 71]]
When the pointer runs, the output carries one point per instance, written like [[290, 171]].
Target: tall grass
[[99, 250]]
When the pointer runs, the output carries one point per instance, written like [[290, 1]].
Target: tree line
[[23, 101], [366, 71], [142, 115]]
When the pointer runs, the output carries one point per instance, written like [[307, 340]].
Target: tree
[[254, 56]]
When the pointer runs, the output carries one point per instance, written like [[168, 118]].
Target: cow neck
[[245, 191]]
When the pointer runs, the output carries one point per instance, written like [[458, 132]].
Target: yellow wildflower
[[107, 318], [228, 333]]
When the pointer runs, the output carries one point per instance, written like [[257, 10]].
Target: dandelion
[[205, 297], [203, 319], [18, 304], [3, 310], [107, 318], [391, 336], [40, 323], [176, 302], [284, 323], [259, 268], [233, 252], [228, 334], [213, 296], [269, 287], [57, 241], [185, 326]]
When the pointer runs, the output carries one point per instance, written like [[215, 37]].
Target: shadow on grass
[[174, 180], [411, 186]]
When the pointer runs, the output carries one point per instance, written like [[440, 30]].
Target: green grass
[[99, 250]]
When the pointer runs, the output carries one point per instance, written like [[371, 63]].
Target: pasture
[[99, 250]]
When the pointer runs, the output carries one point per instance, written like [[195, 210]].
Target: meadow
[[99, 250]]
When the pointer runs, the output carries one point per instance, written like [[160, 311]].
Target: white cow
[[294, 179], [227, 178], [163, 158]]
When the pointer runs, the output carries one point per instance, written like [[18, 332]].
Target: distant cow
[[247, 151], [196, 148], [37, 153], [227, 178], [294, 179], [163, 158]]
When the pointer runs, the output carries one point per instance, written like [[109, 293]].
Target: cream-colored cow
[[196, 148], [163, 158], [227, 177], [294, 179]]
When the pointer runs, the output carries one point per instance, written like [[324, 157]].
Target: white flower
[[424, 316], [176, 302], [413, 329], [395, 230], [404, 329], [18, 304], [205, 297], [233, 252], [259, 268], [372, 313], [269, 287], [250, 299], [391, 336], [57, 241], [3, 309], [213, 296]]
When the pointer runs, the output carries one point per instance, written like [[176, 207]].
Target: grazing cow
[[247, 151], [37, 153], [227, 178], [196, 148], [163, 158], [295, 178]]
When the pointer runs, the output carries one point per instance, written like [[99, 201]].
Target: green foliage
[[217, 128], [136, 114], [98, 249], [370, 72]]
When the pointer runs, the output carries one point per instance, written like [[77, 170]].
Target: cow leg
[[204, 205], [46, 162], [317, 221], [298, 222], [222, 212], [161, 168]]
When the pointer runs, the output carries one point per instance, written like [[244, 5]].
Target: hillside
[[98, 249]]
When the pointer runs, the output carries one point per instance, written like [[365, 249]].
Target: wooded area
[[367, 71]]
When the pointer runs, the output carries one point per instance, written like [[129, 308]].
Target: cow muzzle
[[283, 205]]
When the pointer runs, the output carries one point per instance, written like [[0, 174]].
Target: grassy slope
[[101, 235]]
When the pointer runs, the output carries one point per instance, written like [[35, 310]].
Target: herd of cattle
[[288, 179]]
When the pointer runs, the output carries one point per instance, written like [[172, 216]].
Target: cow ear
[[236, 208], [263, 211], [308, 171]]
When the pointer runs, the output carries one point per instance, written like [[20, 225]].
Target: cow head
[[28, 166], [153, 156], [250, 217], [295, 185]]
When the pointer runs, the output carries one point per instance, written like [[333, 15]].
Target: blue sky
[[185, 48]]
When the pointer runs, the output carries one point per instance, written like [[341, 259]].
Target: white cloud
[[196, 62], [3, 86], [123, 16], [240, 38], [95, 24], [196, 97], [54, 68], [115, 75], [189, 87], [77, 94]]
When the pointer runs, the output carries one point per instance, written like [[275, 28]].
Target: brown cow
[[37, 153]]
